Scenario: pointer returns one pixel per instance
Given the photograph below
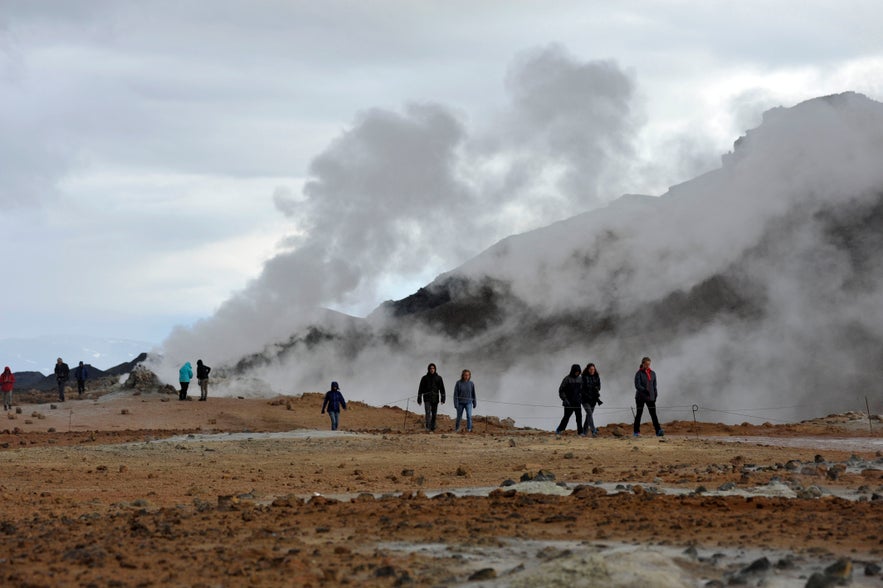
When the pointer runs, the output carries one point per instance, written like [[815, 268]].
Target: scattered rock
[[544, 476], [483, 574]]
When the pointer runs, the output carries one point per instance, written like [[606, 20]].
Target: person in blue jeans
[[464, 399], [334, 402]]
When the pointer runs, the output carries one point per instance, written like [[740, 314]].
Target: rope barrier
[[695, 409]]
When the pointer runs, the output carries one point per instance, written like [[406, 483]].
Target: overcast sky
[[153, 156]]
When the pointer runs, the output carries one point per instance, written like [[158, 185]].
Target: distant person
[[62, 375], [81, 374], [590, 396], [334, 402], [185, 374], [7, 382], [464, 399], [646, 393], [431, 391], [202, 372], [569, 391]]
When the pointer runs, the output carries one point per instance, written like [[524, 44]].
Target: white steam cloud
[[743, 284]]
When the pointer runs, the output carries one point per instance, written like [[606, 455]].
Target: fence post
[[695, 424], [407, 408]]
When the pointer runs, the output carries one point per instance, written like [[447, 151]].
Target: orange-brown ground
[[85, 500]]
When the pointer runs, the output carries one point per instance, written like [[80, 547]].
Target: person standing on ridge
[[62, 375], [590, 395], [569, 392], [431, 390], [334, 402], [464, 399], [185, 374], [646, 393], [7, 382], [81, 374], [202, 372]]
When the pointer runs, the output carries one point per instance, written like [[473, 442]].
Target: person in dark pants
[[646, 393], [81, 374], [431, 390], [334, 402], [185, 374], [202, 372], [569, 391], [590, 396], [62, 375]]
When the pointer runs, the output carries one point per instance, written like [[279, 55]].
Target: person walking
[[646, 393], [431, 390], [334, 402], [590, 396], [62, 375], [81, 374], [7, 383], [202, 372], [185, 374], [464, 399], [569, 392]]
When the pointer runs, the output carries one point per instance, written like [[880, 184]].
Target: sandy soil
[[144, 490]]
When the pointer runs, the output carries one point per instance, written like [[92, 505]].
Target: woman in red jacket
[[7, 381]]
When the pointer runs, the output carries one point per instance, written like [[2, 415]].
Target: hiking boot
[[594, 432], [660, 433], [636, 434]]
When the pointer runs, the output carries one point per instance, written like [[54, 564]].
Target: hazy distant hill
[[38, 354], [40, 381]]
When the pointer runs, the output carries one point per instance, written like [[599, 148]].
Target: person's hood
[[335, 386], [187, 365], [6, 370], [575, 369]]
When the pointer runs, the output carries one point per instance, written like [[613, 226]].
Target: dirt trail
[[103, 499]]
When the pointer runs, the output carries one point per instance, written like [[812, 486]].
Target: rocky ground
[[139, 489]]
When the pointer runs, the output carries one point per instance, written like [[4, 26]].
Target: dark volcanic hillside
[[744, 282]]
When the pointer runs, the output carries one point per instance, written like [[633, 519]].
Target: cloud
[[400, 193]]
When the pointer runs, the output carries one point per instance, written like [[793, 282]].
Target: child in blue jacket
[[333, 402]]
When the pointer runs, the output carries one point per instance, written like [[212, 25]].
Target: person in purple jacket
[[334, 402]]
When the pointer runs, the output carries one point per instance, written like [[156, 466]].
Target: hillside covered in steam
[[758, 285]]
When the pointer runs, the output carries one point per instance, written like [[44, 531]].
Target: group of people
[[581, 390], [431, 391], [63, 374], [185, 375]]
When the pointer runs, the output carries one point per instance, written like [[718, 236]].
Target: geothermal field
[[140, 489]]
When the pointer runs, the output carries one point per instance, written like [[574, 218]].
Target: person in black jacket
[[62, 375], [569, 391], [431, 390], [590, 396], [81, 374], [646, 393], [202, 372]]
